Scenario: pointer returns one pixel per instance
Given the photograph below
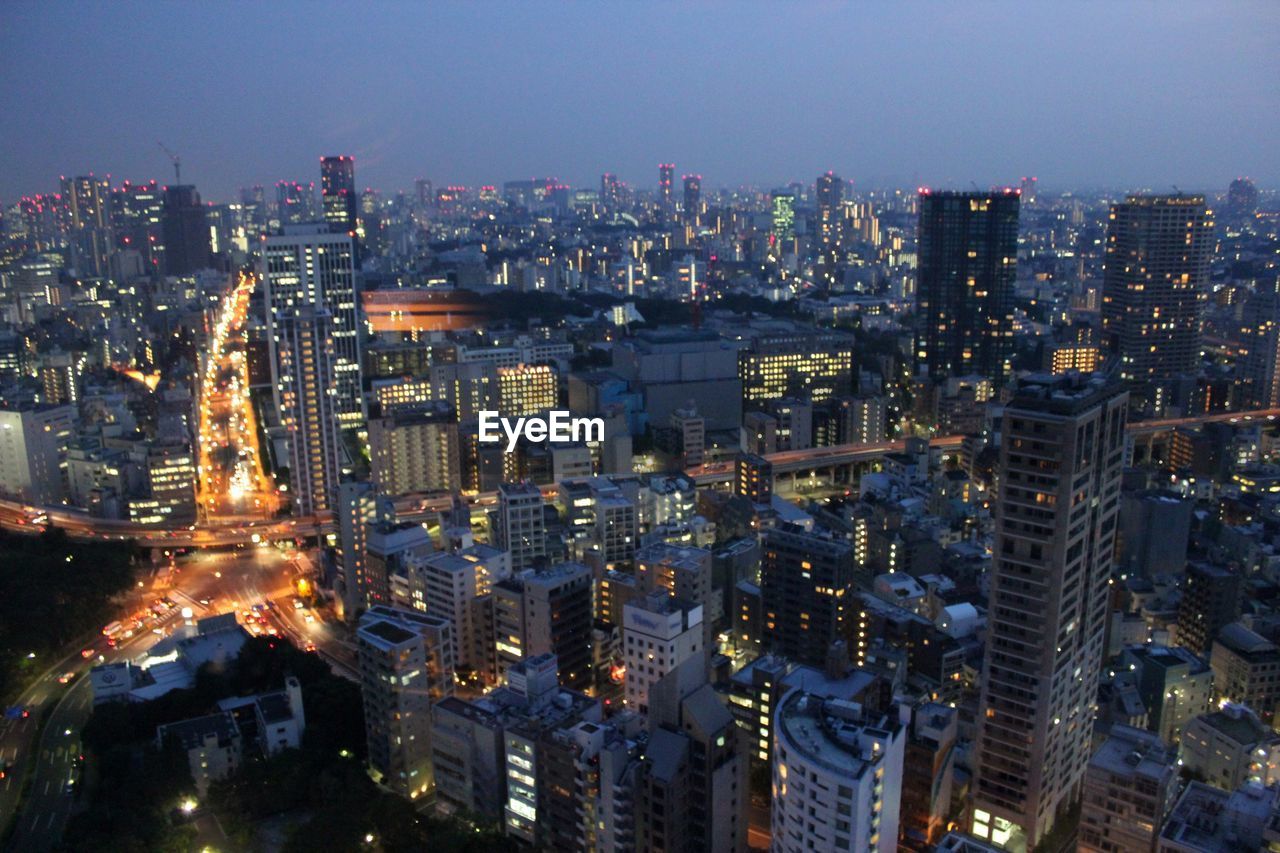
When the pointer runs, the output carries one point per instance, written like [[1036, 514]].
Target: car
[[309, 618], [66, 677], [297, 604], [88, 653], [310, 646]]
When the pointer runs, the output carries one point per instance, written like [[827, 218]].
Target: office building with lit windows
[[338, 193], [406, 665], [811, 367], [968, 253], [659, 633], [306, 265], [1154, 287], [804, 579], [1061, 459], [666, 177], [526, 390]]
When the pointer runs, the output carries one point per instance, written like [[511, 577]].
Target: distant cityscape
[[921, 518]]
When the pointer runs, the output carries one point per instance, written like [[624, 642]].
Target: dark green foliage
[[48, 600]]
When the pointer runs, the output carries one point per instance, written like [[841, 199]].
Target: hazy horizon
[[1090, 96]]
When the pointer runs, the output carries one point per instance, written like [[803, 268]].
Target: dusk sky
[[1081, 94]]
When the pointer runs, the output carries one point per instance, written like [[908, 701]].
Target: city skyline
[[1127, 100]]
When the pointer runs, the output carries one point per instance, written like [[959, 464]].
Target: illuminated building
[[968, 253], [526, 390], [360, 507], [171, 480], [666, 175], [1242, 198], [451, 585], [1246, 669], [753, 478], [804, 578], [414, 448], [811, 367], [296, 203], [927, 771], [1155, 281], [303, 372], [829, 190], [406, 665], [1260, 342], [658, 634], [837, 776], [33, 450], [1081, 358], [692, 197], [520, 525], [783, 217], [1230, 747], [1061, 459], [546, 611], [308, 266], [338, 193]]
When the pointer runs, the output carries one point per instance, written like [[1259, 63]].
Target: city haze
[[1082, 95]]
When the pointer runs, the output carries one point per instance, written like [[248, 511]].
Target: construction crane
[[177, 163]]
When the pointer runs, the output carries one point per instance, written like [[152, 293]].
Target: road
[[229, 582]]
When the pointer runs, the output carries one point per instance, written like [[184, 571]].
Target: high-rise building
[[1211, 600], [830, 192], [302, 374], [968, 253], [666, 177], [810, 367], [753, 478], [338, 193], [1242, 198], [359, 506], [414, 448], [927, 771], [658, 634], [33, 449], [520, 525], [406, 666], [783, 217], [691, 793], [837, 776], [610, 190], [546, 611], [1260, 345], [305, 265], [1155, 283], [1061, 457], [186, 231], [804, 579], [692, 197]]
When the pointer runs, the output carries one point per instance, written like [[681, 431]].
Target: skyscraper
[[338, 192], [830, 192], [968, 252], [1061, 459], [406, 666], [1154, 287], [307, 265], [783, 216], [302, 359], [666, 175], [1242, 198], [804, 578], [186, 231], [1260, 342], [692, 197]]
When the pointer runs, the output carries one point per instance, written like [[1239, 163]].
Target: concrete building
[[546, 612], [1229, 747], [1246, 669], [1211, 820], [359, 506], [1128, 789], [685, 573], [415, 449], [658, 634], [1062, 454], [520, 525], [406, 665], [311, 267], [212, 745], [927, 771], [837, 776], [33, 449], [803, 582]]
